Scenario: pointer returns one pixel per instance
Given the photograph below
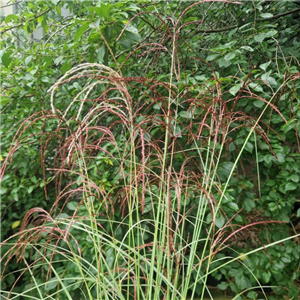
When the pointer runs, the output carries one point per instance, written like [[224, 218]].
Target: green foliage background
[[253, 41]]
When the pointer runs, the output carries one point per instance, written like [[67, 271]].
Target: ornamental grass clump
[[129, 222]]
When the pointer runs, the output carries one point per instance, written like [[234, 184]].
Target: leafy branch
[[34, 18], [19, 25], [238, 25]]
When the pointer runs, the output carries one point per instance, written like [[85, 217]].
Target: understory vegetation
[[150, 150]]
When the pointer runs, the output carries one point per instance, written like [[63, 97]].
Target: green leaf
[[265, 65], [235, 272], [247, 48], [62, 217], [291, 186], [103, 11], [3, 190], [248, 204], [81, 30], [279, 265], [147, 208], [288, 127], [266, 15], [261, 36], [211, 57], [208, 218], [231, 147], [238, 219], [58, 9], [271, 33], [30, 189], [45, 79], [224, 170], [51, 284], [295, 178], [270, 182], [131, 28], [28, 59], [72, 205], [100, 53], [119, 233], [252, 295], [220, 221], [281, 157], [186, 114], [33, 71], [258, 103], [6, 59], [276, 119], [272, 206], [286, 259], [125, 43], [256, 87], [235, 89], [223, 62], [134, 37], [11, 17], [131, 7], [249, 147], [266, 276], [110, 257], [269, 79], [268, 158], [66, 66], [283, 215], [176, 130], [58, 60], [229, 56], [233, 206], [241, 282], [223, 286]]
